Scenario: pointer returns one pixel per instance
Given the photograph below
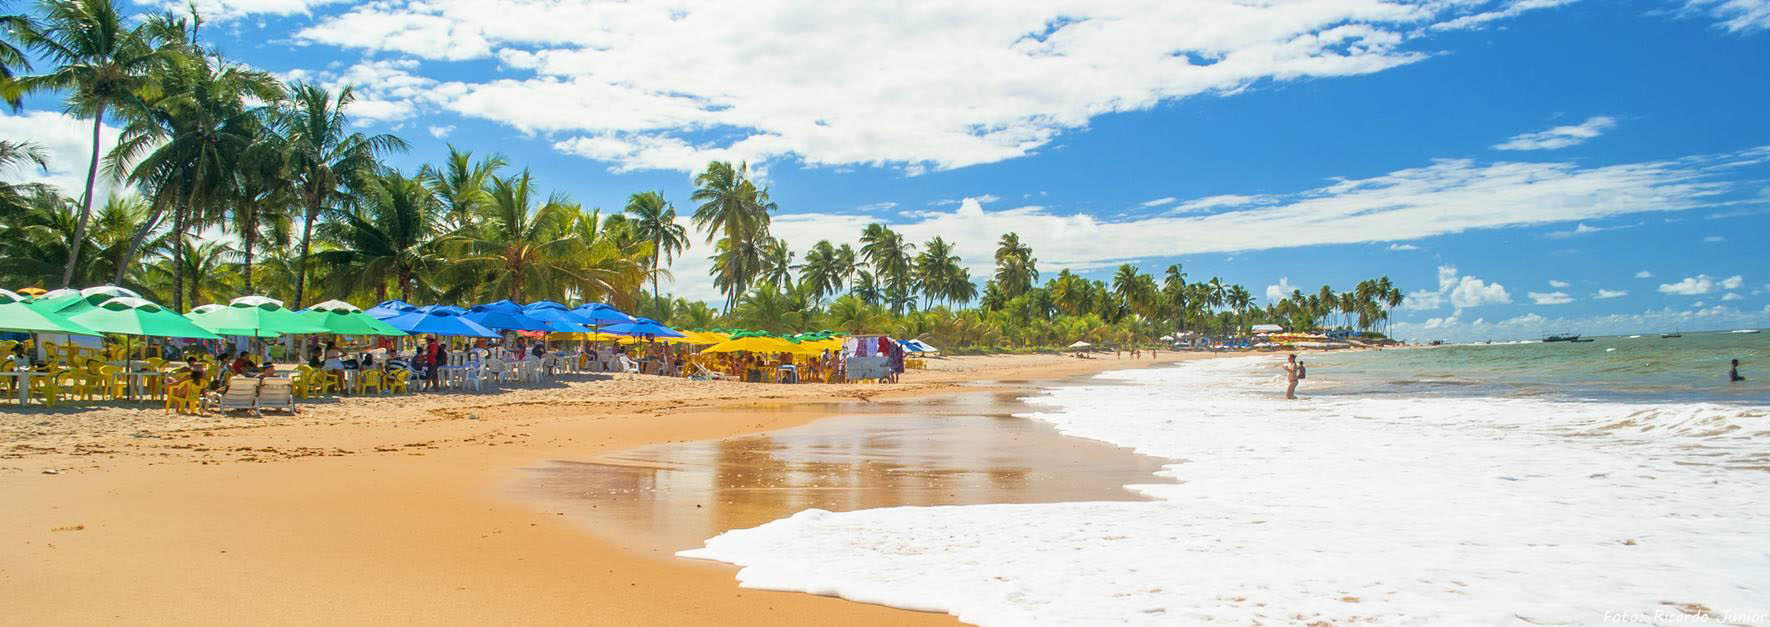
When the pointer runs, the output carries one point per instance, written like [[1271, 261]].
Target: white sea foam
[[1387, 511]]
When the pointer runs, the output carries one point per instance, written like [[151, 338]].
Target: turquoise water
[[1649, 368]]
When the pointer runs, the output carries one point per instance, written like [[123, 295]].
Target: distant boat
[[1673, 335], [1746, 331], [1563, 337]]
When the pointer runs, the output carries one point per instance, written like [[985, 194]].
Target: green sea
[[1625, 368]]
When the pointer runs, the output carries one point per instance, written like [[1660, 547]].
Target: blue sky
[[1517, 166]]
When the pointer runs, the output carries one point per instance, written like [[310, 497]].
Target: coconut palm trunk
[[67, 272]]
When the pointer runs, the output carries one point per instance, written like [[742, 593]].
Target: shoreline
[[391, 508]]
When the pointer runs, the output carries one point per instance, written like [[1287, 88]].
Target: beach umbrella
[[1081, 344], [641, 326], [32, 292], [134, 316], [15, 315], [255, 316], [759, 344], [515, 320], [68, 302], [501, 305], [390, 308], [554, 312], [598, 314], [438, 323], [459, 311], [349, 321]]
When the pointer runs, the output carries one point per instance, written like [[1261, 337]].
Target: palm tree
[[820, 270], [653, 219], [937, 269], [734, 209], [261, 193], [14, 197], [1016, 269], [521, 248], [388, 238], [1174, 290], [12, 57], [101, 63], [1239, 298], [194, 134], [460, 185], [886, 252], [777, 262], [324, 157], [853, 315], [866, 288]]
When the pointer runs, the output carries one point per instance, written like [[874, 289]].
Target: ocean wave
[[1370, 510]]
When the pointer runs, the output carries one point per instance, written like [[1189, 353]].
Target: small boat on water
[[1563, 337], [1747, 331], [1673, 335]]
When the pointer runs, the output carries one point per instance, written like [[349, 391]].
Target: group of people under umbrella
[[150, 345]]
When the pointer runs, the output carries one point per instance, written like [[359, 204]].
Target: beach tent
[[15, 315], [439, 323], [1081, 344], [390, 308], [344, 318]]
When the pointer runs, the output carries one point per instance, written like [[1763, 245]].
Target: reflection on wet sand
[[962, 449]]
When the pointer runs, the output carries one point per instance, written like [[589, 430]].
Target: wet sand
[[962, 449]]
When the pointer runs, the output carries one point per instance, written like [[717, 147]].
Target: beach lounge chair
[[241, 395], [276, 394]]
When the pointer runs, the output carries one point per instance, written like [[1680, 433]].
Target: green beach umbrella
[[344, 318], [253, 316], [16, 315], [134, 316]]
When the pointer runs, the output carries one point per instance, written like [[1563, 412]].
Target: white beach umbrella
[[1080, 344]]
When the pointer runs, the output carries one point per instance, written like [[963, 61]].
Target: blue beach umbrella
[[642, 326], [439, 323], [554, 312], [390, 308], [450, 309], [515, 321], [598, 314]]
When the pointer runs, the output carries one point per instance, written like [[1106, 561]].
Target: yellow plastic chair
[[396, 381], [315, 382], [50, 386], [370, 379], [185, 398]]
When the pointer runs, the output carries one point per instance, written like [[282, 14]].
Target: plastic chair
[[50, 386], [370, 379], [398, 380], [184, 397]]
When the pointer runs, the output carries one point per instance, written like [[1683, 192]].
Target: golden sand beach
[[397, 509]]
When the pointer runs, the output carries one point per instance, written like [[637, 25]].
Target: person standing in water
[[1291, 369], [1733, 375]]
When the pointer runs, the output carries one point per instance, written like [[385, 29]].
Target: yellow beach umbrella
[[593, 337], [755, 344]]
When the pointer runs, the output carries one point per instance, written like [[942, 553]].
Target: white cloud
[[1448, 196], [1732, 282], [1506, 10], [1222, 201], [1558, 283], [1403, 247], [1643, 275], [1550, 298], [1586, 229], [1560, 136], [1531, 326], [1460, 290], [1731, 297], [67, 142], [1159, 201], [925, 86], [1735, 15], [385, 90], [440, 132], [1474, 292], [1604, 294], [1275, 293], [1690, 286], [223, 10], [1713, 239]]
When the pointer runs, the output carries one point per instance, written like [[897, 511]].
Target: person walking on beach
[[1291, 371], [1733, 375]]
